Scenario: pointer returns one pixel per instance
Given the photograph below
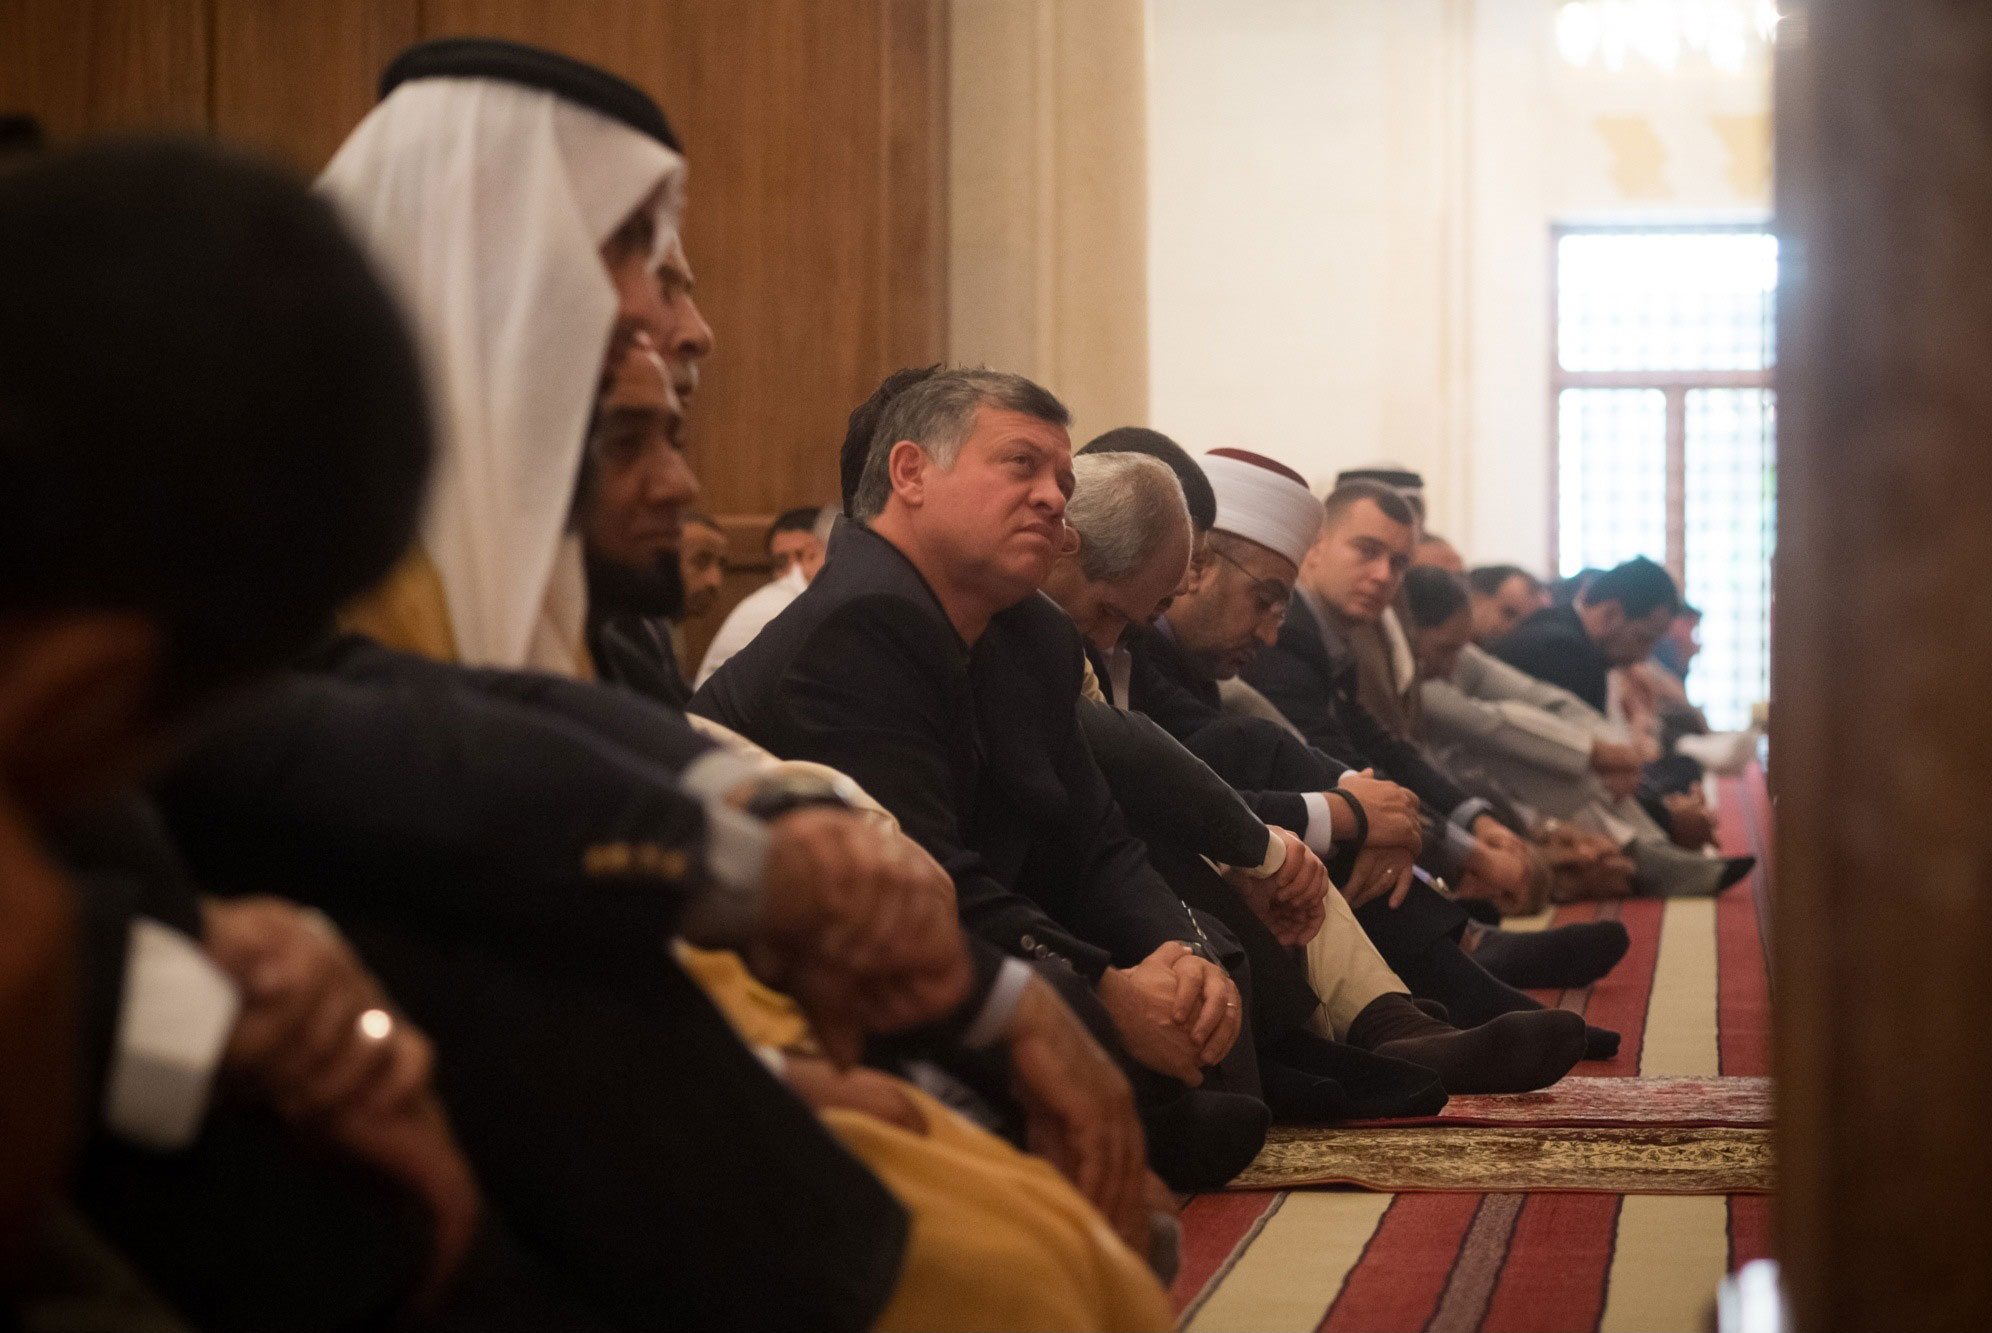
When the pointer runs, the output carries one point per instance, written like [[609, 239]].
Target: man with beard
[[628, 513], [514, 849], [1133, 533], [1222, 618]]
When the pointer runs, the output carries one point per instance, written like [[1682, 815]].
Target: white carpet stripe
[[1681, 1029], [1294, 1271], [1673, 1250]]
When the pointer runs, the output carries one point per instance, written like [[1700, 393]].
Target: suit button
[[1028, 942]]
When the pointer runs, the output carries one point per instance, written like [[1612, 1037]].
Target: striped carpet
[[1691, 1000]]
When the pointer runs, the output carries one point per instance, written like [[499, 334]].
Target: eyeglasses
[[1269, 595]]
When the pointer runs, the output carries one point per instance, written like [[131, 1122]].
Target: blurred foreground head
[[212, 432]]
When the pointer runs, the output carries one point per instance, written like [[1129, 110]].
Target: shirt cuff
[[1470, 809], [725, 908], [992, 1023], [1319, 835], [174, 1018]]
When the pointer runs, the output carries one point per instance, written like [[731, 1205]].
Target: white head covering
[[486, 204], [1263, 501]]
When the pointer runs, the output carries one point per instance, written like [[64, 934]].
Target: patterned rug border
[[1603, 1103], [1643, 1160]]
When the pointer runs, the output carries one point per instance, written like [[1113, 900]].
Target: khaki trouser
[[1345, 970]]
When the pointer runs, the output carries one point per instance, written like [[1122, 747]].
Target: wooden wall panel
[[816, 224], [87, 66], [294, 79], [817, 132]]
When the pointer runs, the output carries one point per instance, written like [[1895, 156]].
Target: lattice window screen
[[1664, 429]]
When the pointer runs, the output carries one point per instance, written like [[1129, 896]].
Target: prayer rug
[[1647, 1159], [1468, 1259]]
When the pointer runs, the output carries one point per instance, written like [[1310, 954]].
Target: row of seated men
[[440, 969]]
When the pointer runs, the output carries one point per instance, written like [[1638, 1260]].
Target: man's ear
[[1611, 616], [1071, 543], [906, 468], [76, 696]]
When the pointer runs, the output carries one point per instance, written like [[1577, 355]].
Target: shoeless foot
[[1515, 1052], [1559, 958]]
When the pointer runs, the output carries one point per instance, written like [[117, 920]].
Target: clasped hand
[[859, 926], [1288, 901], [1175, 1012]]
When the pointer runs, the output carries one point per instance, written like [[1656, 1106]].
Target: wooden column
[[1882, 752]]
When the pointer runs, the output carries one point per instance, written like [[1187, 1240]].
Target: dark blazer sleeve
[[1163, 789], [1303, 690], [1313, 698], [1401, 760], [864, 697], [410, 798], [1094, 870], [1551, 657]]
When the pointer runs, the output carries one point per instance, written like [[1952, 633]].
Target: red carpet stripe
[[1619, 1000], [1397, 1282], [1749, 1228], [1481, 1258], [1217, 1228], [1744, 1008], [1743, 995], [1557, 1263]]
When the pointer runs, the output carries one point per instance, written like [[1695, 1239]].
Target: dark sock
[[1515, 1052], [1472, 996], [1734, 868], [1469, 992], [1308, 1079], [1555, 959]]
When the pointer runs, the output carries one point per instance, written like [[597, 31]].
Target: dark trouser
[[636, 1147]]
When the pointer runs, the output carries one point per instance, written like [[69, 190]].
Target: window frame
[[1675, 384]]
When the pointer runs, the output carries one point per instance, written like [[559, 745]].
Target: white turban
[[1263, 501], [486, 204]]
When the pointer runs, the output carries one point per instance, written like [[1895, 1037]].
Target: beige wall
[[1049, 199], [1349, 213]]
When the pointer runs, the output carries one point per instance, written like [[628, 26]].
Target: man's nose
[[694, 335], [672, 481]]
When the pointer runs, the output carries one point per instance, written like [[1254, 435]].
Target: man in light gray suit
[[1540, 748]]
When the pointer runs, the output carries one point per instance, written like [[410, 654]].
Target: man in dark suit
[[1614, 622], [923, 662], [1234, 611], [260, 459]]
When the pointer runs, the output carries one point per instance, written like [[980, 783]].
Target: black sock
[[1472, 996], [1516, 1052], [1469, 992], [1559, 958]]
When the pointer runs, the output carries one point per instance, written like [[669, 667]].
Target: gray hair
[[938, 414], [1123, 506]]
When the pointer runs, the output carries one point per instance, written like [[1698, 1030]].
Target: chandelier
[[1661, 33]]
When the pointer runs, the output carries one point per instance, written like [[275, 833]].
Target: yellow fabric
[[1345, 970], [1000, 1240], [407, 611], [761, 1016], [1089, 683]]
